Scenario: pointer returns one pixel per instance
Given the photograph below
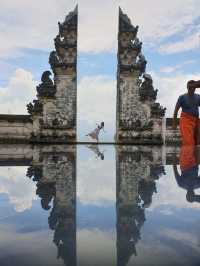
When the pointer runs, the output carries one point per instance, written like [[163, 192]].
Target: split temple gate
[[53, 114]]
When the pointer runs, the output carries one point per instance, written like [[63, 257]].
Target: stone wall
[[14, 128], [171, 136], [19, 128]]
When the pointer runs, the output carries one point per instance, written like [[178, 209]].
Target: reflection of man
[[189, 120], [189, 179]]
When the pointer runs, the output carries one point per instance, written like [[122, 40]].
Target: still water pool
[[99, 205]]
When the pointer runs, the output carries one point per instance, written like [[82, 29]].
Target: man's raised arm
[[197, 83]]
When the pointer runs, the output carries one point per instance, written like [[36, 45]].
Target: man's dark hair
[[190, 83]]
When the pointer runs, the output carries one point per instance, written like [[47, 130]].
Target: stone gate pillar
[[54, 170], [139, 118], [54, 112], [137, 169]]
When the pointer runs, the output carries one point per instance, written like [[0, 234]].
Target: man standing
[[189, 119]]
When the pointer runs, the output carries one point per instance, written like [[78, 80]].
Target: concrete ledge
[[14, 141], [16, 129], [16, 118], [68, 142]]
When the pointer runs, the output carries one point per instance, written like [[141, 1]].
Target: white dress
[[95, 133]]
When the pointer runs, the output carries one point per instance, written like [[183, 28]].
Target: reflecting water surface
[[99, 205]]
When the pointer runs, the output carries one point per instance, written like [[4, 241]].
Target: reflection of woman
[[189, 179], [96, 150]]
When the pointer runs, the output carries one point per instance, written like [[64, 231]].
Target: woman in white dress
[[95, 133]]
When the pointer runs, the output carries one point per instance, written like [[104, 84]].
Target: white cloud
[[14, 183], [161, 19], [187, 44], [32, 25], [172, 69], [96, 247], [168, 69], [35, 244], [96, 102], [92, 176], [19, 92], [181, 236]]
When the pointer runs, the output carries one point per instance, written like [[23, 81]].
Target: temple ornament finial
[[125, 23], [46, 88], [70, 21]]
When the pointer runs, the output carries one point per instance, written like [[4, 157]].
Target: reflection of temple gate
[[54, 170], [137, 170]]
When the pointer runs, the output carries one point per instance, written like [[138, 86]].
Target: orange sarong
[[189, 127], [187, 157]]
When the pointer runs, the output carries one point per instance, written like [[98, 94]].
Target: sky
[[169, 30]]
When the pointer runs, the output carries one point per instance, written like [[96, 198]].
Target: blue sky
[[170, 32]]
